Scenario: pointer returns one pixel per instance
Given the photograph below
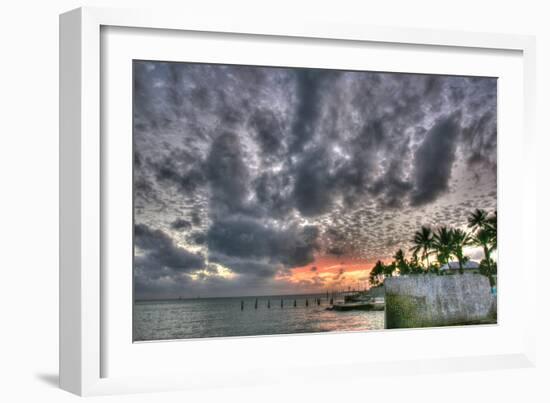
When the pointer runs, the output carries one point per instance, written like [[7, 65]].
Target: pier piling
[[307, 302], [281, 302], [242, 305], [268, 304], [294, 303], [256, 304]]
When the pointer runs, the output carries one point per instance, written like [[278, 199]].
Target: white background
[[29, 209]]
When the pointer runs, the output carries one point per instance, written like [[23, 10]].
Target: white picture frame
[[83, 296]]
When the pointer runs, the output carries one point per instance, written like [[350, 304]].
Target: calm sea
[[223, 317]]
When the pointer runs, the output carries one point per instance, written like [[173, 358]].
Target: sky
[[266, 180]]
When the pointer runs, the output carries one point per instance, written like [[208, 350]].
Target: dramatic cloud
[[227, 173], [180, 224], [244, 237], [434, 160], [244, 174], [161, 253]]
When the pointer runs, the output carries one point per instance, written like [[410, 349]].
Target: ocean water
[[222, 317]]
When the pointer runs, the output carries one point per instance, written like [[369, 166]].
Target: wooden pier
[[338, 301]]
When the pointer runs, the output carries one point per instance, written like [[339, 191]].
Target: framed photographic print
[[238, 196]]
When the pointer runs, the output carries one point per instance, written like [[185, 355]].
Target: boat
[[373, 304]]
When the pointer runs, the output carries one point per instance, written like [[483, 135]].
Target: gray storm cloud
[[259, 169]]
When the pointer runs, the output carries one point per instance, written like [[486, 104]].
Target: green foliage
[[389, 269], [415, 266], [477, 219], [376, 276], [459, 240], [401, 263], [423, 242], [488, 267], [444, 243], [485, 236]]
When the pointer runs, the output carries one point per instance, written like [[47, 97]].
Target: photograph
[[272, 200]]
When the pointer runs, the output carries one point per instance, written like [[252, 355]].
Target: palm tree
[[422, 241], [414, 265], [443, 244], [477, 219], [460, 239], [401, 262], [389, 269], [491, 226], [399, 256], [376, 272], [483, 238]]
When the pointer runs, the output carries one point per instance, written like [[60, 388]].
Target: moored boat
[[374, 304]]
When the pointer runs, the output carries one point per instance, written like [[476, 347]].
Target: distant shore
[[335, 293]]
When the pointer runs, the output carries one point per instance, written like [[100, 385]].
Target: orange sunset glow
[[331, 273]]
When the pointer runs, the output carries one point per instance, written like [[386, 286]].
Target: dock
[[351, 299]]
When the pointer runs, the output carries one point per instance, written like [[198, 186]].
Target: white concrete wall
[[431, 300]]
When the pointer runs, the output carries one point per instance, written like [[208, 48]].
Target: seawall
[[431, 300]]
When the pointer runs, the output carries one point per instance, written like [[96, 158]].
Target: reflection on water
[[223, 317]]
